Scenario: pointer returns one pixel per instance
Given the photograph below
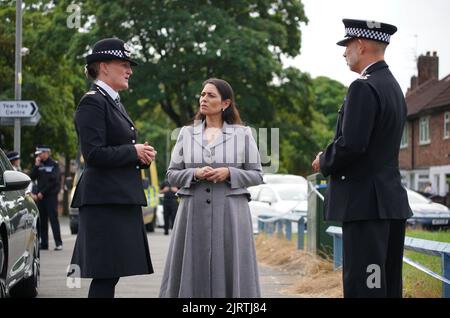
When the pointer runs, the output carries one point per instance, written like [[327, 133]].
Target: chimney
[[428, 67], [413, 85]]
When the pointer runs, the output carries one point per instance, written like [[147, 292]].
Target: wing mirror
[[14, 180]]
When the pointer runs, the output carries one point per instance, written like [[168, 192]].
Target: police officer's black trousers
[[48, 210], [103, 287], [170, 211], [373, 258]]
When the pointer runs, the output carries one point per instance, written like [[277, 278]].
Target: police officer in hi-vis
[[365, 191], [111, 241], [46, 173]]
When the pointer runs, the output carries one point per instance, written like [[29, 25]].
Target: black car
[[19, 240]]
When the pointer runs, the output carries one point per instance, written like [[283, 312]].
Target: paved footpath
[[54, 266]]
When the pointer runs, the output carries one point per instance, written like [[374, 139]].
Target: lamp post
[[18, 72]]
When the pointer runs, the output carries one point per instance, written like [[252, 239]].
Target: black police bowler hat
[[13, 155], [110, 49], [365, 29]]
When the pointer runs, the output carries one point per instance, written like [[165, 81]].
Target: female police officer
[[111, 242]]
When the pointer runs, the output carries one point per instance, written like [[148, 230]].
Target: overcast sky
[[423, 25]]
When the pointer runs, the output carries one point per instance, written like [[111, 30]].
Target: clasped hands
[[211, 174], [145, 153], [316, 163]]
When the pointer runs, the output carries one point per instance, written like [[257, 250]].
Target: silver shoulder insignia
[[101, 91], [364, 77], [90, 93]]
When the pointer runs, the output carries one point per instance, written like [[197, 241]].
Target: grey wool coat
[[212, 251]]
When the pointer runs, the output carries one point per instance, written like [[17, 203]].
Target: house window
[[446, 125], [424, 130], [404, 141]]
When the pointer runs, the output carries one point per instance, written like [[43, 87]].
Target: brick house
[[425, 147]]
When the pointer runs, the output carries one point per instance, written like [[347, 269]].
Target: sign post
[[18, 72]]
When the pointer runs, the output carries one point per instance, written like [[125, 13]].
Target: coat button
[[133, 141], [132, 128], [208, 201], [343, 178], [137, 167], [208, 190]]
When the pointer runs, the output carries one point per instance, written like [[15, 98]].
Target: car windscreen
[[294, 192], [416, 198]]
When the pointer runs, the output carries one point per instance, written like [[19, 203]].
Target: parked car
[[426, 212], [19, 239], [278, 199], [149, 184]]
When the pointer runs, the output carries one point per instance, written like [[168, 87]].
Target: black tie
[[117, 100]]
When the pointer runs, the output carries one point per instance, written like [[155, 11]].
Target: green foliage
[[329, 98], [182, 43], [178, 44], [48, 77]]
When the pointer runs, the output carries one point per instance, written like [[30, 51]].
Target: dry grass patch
[[313, 276]]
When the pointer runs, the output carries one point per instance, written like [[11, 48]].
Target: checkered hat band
[[117, 53], [368, 34]]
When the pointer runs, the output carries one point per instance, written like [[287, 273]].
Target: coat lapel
[[227, 133], [199, 129], [113, 103], [198, 133]]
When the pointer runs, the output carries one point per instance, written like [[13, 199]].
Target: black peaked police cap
[[365, 29], [110, 49]]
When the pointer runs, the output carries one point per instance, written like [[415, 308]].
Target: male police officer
[[365, 190], [46, 172]]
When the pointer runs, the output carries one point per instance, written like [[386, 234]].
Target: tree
[[178, 44], [329, 96], [182, 43], [48, 77]]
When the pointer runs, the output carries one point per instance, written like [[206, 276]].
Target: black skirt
[[111, 242]]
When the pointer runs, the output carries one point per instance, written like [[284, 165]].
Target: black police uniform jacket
[[107, 136], [362, 161], [47, 176], [111, 241]]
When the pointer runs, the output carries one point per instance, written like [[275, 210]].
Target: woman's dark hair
[[92, 70], [231, 113]]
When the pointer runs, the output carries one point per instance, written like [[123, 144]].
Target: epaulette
[[98, 88], [90, 93], [364, 77]]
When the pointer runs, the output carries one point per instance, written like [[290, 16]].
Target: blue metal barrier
[[432, 248], [268, 222]]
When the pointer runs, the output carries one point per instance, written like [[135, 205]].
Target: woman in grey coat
[[212, 252]]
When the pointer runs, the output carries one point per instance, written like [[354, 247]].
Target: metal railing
[[427, 247], [269, 221]]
